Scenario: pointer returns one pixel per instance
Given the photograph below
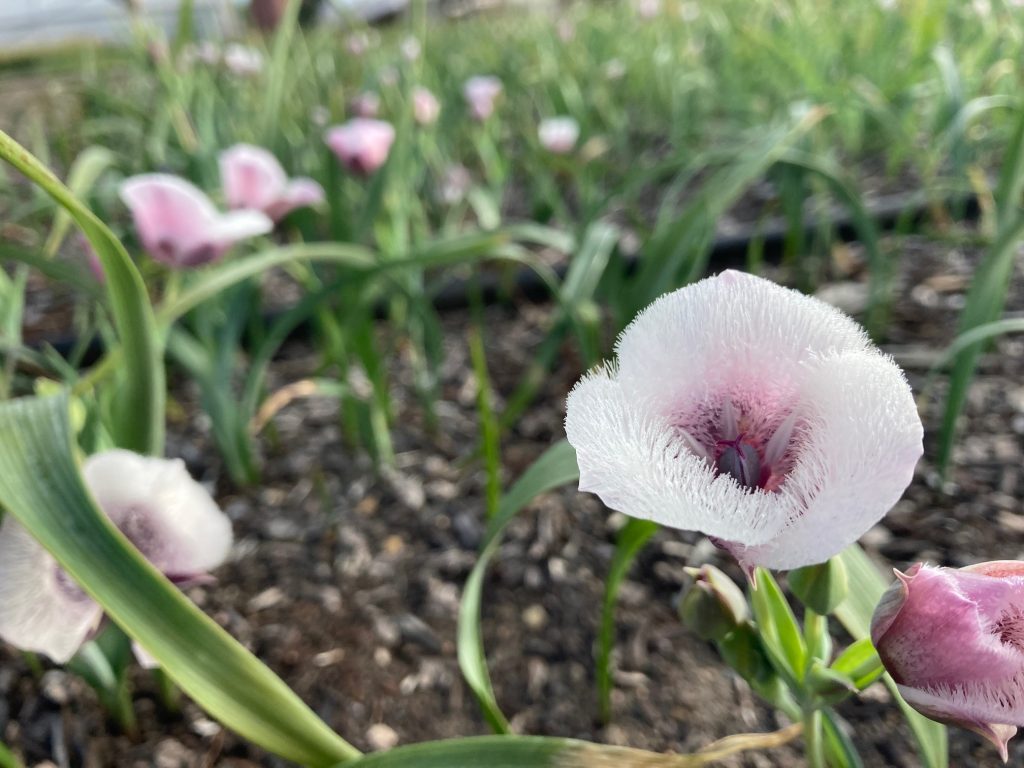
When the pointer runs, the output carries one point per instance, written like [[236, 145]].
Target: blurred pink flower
[[953, 640], [358, 43], [179, 226], [163, 512], [565, 29], [366, 104], [243, 60], [481, 92], [558, 135], [752, 413], [362, 145], [253, 179], [648, 9], [425, 106]]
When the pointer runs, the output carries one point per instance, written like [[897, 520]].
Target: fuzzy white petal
[[239, 225], [723, 331], [37, 612], [633, 459], [169, 516], [856, 458]]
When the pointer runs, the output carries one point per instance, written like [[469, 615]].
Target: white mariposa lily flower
[[761, 417], [161, 510]]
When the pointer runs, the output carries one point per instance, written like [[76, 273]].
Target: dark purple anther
[[740, 460]]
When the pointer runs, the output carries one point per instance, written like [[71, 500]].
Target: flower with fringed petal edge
[[161, 510], [361, 145], [752, 413], [953, 640], [179, 226], [253, 179]]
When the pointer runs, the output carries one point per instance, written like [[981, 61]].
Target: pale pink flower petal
[[729, 413], [362, 145], [164, 513], [41, 608], [481, 92], [169, 517], [558, 135], [425, 106], [954, 642], [253, 179], [179, 226]]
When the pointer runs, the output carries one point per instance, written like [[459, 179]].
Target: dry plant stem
[[605, 757]]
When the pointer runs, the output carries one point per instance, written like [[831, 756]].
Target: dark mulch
[[347, 583]]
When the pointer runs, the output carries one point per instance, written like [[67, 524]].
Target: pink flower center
[[756, 450]]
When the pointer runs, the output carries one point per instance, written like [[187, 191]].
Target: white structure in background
[[26, 24]]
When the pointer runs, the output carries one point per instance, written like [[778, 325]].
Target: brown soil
[[347, 583]]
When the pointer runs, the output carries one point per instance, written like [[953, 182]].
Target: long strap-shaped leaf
[[40, 485], [855, 614], [140, 421], [556, 466], [546, 752]]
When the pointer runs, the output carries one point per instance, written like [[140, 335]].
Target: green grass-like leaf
[[140, 422], [555, 467], [634, 534], [40, 485]]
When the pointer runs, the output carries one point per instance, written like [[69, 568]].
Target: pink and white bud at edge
[[757, 415], [361, 145], [953, 640]]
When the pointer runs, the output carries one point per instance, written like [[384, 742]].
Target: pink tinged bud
[[179, 226], [358, 43], [481, 93], [953, 640], [361, 145], [425, 106], [366, 104], [243, 60], [648, 9], [558, 135], [253, 179], [164, 513], [752, 413]]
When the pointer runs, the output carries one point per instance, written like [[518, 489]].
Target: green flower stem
[[813, 743]]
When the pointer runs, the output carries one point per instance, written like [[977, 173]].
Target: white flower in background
[[614, 69], [648, 9], [752, 413], [411, 49], [455, 184], [160, 509], [481, 92], [253, 178], [358, 43], [558, 135], [243, 60], [425, 106], [366, 104]]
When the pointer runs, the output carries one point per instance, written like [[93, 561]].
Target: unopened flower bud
[[820, 587], [953, 640], [714, 605]]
